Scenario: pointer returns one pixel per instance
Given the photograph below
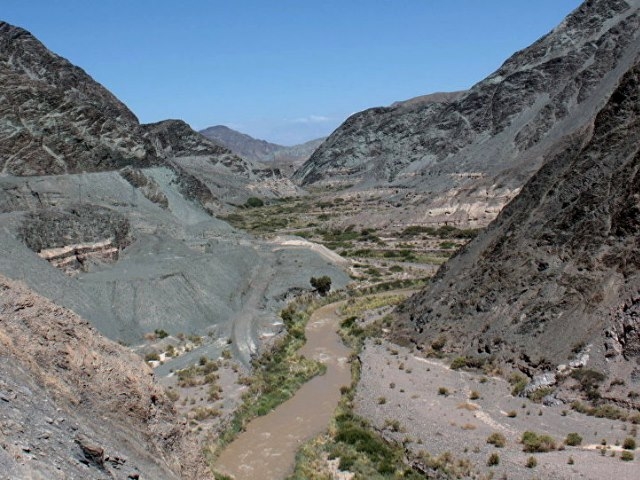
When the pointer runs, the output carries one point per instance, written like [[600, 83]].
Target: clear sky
[[282, 70]]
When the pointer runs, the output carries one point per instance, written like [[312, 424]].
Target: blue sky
[[283, 70]]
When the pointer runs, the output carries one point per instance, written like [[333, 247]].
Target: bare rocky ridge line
[[558, 270], [446, 160]]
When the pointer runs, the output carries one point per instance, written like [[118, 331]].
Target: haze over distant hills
[[256, 150]]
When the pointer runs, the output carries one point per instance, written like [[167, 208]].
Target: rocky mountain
[[55, 119], [127, 239], [555, 279], [255, 150], [242, 144], [74, 405], [459, 161]]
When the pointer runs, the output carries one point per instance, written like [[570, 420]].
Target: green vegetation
[[254, 202], [518, 383], [321, 284], [629, 443], [537, 395], [589, 381], [160, 333], [573, 439], [497, 439], [351, 439], [602, 411], [493, 460], [446, 231], [278, 374], [152, 357], [533, 442], [357, 306], [626, 456], [531, 462], [469, 362]]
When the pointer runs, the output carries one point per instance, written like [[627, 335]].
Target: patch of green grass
[[573, 439]]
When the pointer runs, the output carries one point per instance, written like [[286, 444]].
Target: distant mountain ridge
[[462, 160], [257, 150]]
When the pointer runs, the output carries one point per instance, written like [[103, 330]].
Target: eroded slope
[[76, 405], [558, 272]]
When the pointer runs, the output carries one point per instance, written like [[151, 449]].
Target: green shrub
[[518, 383], [443, 391], [321, 284], [534, 443], [497, 439], [573, 439], [629, 443], [531, 462], [160, 333], [494, 459], [626, 456], [458, 363], [152, 357], [254, 202]]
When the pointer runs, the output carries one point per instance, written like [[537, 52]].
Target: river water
[[266, 449]]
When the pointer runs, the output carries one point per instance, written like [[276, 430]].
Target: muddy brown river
[[267, 448]]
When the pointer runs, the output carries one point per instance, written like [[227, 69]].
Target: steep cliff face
[[76, 405], [489, 141], [558, 272]]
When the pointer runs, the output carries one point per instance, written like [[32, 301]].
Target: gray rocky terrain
[[555, 278], [460, 161], [74, 405], [113, 219]]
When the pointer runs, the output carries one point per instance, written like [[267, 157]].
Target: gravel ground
[[397, 385]]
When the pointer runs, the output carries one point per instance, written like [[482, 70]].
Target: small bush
[[474, 395], [494, 459], [629, 443], [152, 357], [573, 439], [160, 333], [534, 443], [512, 414], [570, 461], [531, 462], [254, 202], [626, 456], [458, 363], [518, 383], [443, 391], [497, 439]]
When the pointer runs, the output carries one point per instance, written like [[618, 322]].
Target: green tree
[[321, 284]]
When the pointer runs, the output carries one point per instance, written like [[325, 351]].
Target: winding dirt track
[[267, 448]]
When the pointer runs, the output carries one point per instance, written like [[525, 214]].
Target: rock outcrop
[[559, 269], [74, 405], [55, 119], [467, 157]]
